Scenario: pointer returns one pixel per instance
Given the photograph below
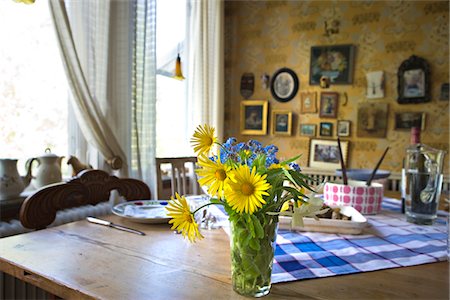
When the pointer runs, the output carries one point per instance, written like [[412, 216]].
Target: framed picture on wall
[[284, 85], [413, 81], [281, 122], [343, 128], [375, 84], [326, 129], [334, 62], [372, 120], [407, 120], [308, 102], [444, 92], [308, 129], [329, 102], [254, 117], [324, 154]]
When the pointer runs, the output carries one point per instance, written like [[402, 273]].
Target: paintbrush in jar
[[369, 182]]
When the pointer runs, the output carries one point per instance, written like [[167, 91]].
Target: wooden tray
[[355, 226]]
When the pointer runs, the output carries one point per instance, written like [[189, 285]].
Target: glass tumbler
[[422, 183]]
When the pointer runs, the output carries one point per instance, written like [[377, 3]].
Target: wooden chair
[[88, 187], [182, 180]]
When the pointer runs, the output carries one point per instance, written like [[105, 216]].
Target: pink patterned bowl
[[365, 199]]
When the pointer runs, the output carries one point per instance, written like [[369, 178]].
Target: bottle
[[421, 180]]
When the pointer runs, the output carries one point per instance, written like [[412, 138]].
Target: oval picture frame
[[284, 85]]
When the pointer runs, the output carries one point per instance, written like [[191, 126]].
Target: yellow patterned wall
[[264, 36]]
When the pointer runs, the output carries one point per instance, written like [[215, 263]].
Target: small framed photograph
[[284, 85], [343, 128], [308, 102], [324, 154], [334, 62], [407, 120], [281, 122], [444, 92], [375, 84], [254, 117], [329, 102], [326, 129], [308, 129]]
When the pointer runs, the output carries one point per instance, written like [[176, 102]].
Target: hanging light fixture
[[178, 74], [25, 1]]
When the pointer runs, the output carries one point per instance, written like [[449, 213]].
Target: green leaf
[[254, 244], [246, 240], [288, 175], [258, 228], [291, 160], [249, 266], [299, 180], [294, 192], [251, 228]]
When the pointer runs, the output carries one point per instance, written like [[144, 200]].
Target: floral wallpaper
[[264, 36]]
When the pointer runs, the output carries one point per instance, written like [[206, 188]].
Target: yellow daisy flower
[[215, 175], [246, 190], [182, 218], [285, 205], [278, 166], [203, 139]]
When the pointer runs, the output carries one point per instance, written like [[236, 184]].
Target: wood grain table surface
[[81, 260]]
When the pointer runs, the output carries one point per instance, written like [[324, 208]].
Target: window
[[34, 90], [172, 136], [33, 87]]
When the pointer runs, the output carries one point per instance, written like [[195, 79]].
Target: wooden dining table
[[81, 260]]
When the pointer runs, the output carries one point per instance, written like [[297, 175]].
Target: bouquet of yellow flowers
[[254, 188]]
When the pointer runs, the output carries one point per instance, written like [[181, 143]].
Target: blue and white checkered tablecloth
[[387, 242]]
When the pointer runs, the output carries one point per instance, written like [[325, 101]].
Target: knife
[[111, 224]]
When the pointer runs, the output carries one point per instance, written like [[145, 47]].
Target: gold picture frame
[[343, 128], [308, 129], [281, 122], [324, 154], [308, 102], [254, 117]]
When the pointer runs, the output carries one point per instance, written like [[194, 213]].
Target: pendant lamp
[[178, 74], [25, 1]]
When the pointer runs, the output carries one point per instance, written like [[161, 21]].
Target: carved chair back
[[88, 187]]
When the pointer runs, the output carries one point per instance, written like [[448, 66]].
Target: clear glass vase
[[252, 256]]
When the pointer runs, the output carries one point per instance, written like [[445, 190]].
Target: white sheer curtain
[[143, 142], [86, 66], [206, 66], [109, 50]]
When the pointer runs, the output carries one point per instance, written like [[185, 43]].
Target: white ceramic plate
[[143, 211], [353, 226]]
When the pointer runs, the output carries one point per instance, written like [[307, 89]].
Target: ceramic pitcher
[[48, 170], [11, 183]]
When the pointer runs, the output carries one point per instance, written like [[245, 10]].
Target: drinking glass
[[422, 184]]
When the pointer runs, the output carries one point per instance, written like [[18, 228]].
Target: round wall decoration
[[284, 85]]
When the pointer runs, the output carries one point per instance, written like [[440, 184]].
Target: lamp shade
[[25, 1], [178, 74]]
